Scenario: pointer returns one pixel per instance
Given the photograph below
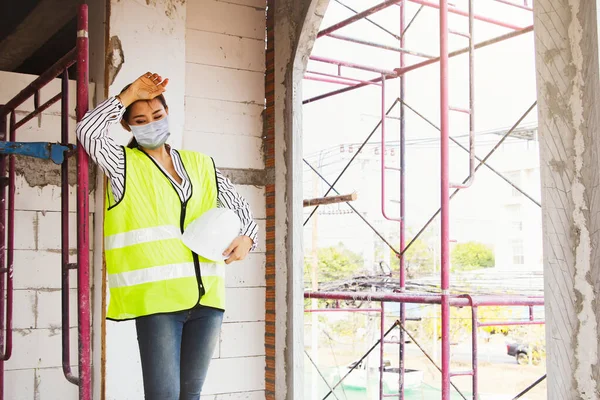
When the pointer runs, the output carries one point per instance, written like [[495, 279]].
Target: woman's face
[[144, 112]]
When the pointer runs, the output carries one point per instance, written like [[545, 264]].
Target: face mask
[[153, 135]]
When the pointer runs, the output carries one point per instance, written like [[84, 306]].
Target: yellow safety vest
[[150, 270]]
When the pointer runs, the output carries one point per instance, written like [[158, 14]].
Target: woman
[[175, 296]]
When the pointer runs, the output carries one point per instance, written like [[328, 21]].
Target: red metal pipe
[[54, 71], [350, 310], [466, 14], [3, 137], [351, 65], [83, 231], [402, 71], [358, 17], [402, 265], [474, 347], [381, 344], [337, 78], [10, 251], [378, 45], [471, 110], [510, 3], [481, 301], [38, 111], [327, 80], [512, 323], [445, 199], [64, 214]]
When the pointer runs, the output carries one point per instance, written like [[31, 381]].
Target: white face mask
[[153, 135]]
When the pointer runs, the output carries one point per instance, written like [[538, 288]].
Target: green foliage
[[472, 255], [334, 263], [418, 259]]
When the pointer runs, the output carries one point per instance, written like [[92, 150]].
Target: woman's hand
[[146, 87], [238, 249]]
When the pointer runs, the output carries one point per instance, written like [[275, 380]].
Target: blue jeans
[[175, 350]]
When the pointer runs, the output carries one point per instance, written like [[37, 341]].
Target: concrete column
[[296, 26], [566, 39]]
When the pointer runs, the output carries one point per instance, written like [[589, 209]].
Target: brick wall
[[269, 128]]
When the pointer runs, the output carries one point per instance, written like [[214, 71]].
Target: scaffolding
[[59, 154], [381, 78]]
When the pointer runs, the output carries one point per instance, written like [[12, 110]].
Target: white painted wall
[[215, 62], [35, 369], [153, 39], [223, 118]]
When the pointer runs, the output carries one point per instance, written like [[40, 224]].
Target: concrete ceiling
[[34, 34]]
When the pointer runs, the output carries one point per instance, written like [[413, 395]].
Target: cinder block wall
[[224, 103], [35, 369]]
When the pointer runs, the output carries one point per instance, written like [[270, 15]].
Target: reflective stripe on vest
[[149, 268], [144, 235], [164, 272]]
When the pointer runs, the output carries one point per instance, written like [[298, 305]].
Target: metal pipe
[[350, 310], [328, 80], [10, 250], [336, 78], [383, 152], [3, 181], [481, 301], [38, 111], [474, 350], [55, 70], [379, 46], [64, 214], [83, 231], [512, 323], [351, 65], [466, 14], [510, 3], [401, 71], [357, 17], [381, 344], [445, 200], [534, 384], [471, 111], [401, 260]]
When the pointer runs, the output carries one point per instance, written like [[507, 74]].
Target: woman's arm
[[230, 198], [92, 132]]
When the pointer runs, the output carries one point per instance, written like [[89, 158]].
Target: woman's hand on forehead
[[146, 87]]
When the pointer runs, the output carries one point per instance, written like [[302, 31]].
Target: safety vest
[[150, 270]]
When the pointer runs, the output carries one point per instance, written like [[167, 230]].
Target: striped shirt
[[92, 132]]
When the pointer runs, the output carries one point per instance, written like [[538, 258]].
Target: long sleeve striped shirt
[[92, 132]]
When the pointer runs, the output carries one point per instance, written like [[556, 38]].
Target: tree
[[472, 255], [418, 259], [335, 263]]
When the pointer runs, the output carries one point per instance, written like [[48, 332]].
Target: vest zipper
[[201, 290]]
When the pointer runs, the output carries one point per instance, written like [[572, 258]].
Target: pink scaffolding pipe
[[445, 298], [466, 14], [80, 56], [401, 71]]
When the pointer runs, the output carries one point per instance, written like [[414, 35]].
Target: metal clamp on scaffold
[[44, 150]]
